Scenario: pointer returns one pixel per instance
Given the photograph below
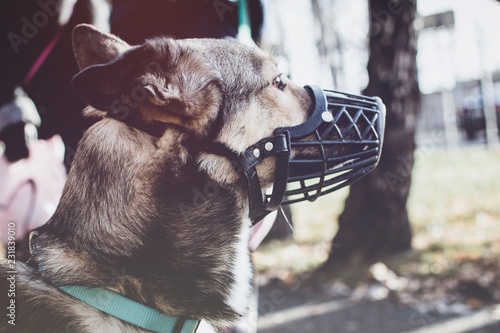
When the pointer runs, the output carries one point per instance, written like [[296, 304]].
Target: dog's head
[[219, 92], [209, 90]]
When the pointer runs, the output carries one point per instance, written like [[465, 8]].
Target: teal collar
[[131, 311]]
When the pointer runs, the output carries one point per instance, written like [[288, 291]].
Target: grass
[[454, 208]]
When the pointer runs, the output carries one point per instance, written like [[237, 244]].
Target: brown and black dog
[[146, 211]]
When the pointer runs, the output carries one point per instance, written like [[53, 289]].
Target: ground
[[448, 283], [285, 311]]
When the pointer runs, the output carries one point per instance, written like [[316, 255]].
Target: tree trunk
[[375, 221], [327, 41]]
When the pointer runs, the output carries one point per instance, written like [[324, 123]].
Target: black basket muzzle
[[339, 143]]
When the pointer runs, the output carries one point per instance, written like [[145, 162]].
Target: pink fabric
[[260, 230], [30, 188]]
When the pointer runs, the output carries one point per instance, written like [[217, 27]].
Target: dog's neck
[[131, 220]]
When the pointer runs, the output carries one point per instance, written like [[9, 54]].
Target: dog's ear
[[101, 85], [92, 47], [104, 67], [162, 81]]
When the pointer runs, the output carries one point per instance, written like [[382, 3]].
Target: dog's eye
[[278, 82]]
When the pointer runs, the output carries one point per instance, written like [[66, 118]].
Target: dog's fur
[[145, 211]]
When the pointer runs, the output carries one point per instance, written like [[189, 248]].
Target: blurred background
[[413, 247], [416, 246]]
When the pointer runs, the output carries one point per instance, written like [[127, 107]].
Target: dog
[[147, 212]]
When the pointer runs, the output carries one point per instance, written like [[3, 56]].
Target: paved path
[[282, 310]]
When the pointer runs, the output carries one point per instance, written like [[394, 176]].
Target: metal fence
[[456, 118]]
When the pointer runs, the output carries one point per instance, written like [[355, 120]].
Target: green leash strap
[[130, 311], [244, 29]]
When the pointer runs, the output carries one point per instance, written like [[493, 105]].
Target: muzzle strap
[[277, 146], [245, 165]]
